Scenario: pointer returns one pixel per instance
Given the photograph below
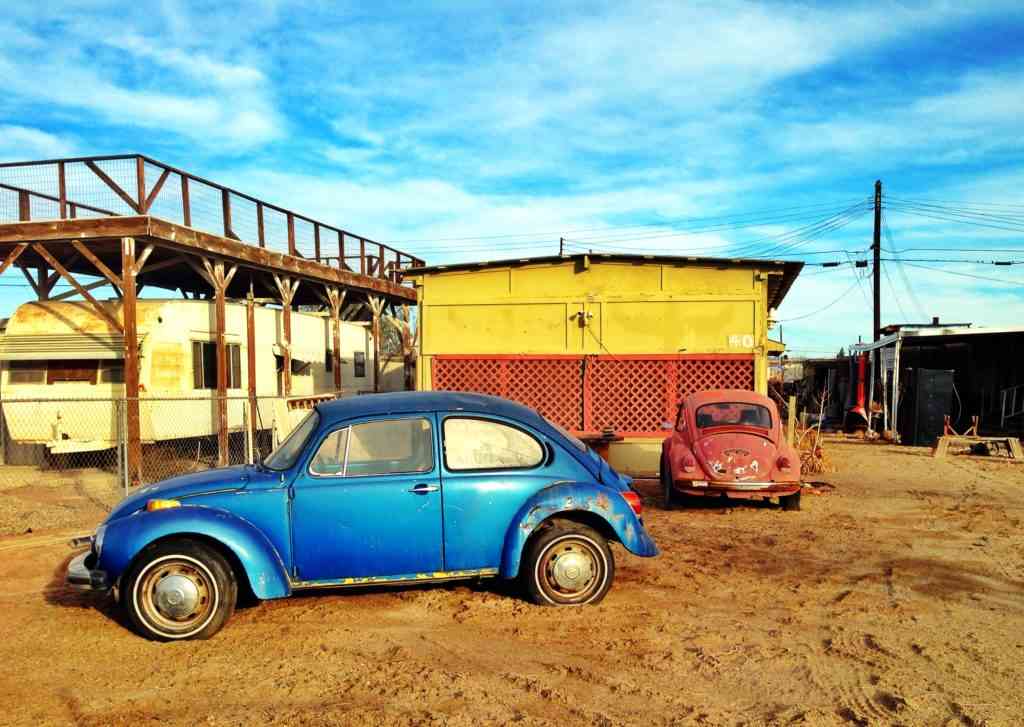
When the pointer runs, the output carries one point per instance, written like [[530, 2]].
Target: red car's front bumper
[[738, 490]]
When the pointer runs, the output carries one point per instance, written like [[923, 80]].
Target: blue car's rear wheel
[[180, 589], [568, 564]]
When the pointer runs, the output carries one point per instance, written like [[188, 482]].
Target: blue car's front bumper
[[83, 578]]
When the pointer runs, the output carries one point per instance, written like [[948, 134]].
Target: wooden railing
[[138, 185]]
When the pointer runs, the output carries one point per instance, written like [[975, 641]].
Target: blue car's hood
[[195, 483]]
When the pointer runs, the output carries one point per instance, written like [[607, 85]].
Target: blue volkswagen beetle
[[397, 488]]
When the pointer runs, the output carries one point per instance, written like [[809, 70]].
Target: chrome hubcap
[[176, 596], [572, 570]]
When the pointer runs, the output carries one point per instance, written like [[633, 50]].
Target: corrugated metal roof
[[63, 346]]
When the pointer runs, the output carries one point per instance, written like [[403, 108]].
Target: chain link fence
[[84, 440]]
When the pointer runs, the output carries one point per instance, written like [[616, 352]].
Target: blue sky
[[449, 128]]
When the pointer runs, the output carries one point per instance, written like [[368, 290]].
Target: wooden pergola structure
[[131, 222]]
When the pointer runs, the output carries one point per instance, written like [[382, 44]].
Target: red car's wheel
[[790, 502]]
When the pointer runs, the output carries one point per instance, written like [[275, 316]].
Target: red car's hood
[[736, 456]]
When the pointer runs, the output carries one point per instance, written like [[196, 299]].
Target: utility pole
[[561, 247], [876, 248]]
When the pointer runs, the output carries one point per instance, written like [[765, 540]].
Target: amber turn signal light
[[161, 505]]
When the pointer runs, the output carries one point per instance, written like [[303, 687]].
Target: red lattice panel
[[702, 374], [628, 395], [554, 387], [482, 375]]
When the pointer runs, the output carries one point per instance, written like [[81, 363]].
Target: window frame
[[545, 448], [424, 416], [234, 364]]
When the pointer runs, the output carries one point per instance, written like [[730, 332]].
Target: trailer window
[[81, 371], [112, 372], [204, 365], [26, 372], [359, 363]]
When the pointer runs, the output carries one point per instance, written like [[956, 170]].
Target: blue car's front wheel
[[568, 564], [180, 589]]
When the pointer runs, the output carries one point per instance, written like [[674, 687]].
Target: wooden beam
[[24, 206], [286, 288], [91, 286], [170, 262], [55, 264], [12, 256], [133, 204], [31, 281], [140, 183], [133, 433], [97, 263], [156, 190], [140, 262]]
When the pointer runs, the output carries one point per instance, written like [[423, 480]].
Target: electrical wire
[[823, 309], [968, 275]]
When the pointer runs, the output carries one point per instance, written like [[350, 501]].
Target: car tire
[[790, 502], [178, 590], [669, 497], [567, 564]]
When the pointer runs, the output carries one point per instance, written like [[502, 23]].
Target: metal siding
[[63, 346]]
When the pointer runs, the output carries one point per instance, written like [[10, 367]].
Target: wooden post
[[223, 454], [260, 233], [791, 421], [291, 234], [341, 250], [62, 190], [186, 204], [250, 356], [362, 256], [335, 299], [140, 181], [220, 280], [286, 287], [376, 307], [316, 241], [24, 207], [133, 432], [225, 208]]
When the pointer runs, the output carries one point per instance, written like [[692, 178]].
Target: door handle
[[423, 489]]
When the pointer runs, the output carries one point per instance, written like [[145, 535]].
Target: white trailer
[[63, 370]]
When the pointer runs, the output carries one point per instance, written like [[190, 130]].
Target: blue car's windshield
[[289, 450]]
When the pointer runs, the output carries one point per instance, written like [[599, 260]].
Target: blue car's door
[[368, 501], [491, 467]]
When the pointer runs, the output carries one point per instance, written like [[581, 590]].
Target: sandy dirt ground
[[897, 598]]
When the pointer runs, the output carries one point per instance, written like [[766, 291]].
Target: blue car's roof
[[401, 402]]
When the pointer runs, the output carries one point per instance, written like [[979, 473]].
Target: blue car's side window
[[484, 444], [382, 447]]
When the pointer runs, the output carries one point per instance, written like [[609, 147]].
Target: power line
[[825, 308], [968, 275]]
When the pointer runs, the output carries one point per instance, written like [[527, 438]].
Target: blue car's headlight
[[97, 539]]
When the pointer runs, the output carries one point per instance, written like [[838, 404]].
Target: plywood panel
[[524, 328], [679, 327]]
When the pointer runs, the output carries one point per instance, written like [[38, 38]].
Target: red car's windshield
[[724, 414]]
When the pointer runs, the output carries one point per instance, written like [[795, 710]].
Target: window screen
[[204, 365], [481, 444], [386, 447]]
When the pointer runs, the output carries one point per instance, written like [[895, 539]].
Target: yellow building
[[600, 342]]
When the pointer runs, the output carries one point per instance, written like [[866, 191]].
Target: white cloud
[[21, 143]]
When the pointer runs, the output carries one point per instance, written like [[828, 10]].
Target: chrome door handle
[[424, 489]]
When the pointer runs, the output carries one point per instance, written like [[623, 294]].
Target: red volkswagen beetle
[[729, 443]]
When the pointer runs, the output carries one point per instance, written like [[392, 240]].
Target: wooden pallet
[[1011, 444]]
